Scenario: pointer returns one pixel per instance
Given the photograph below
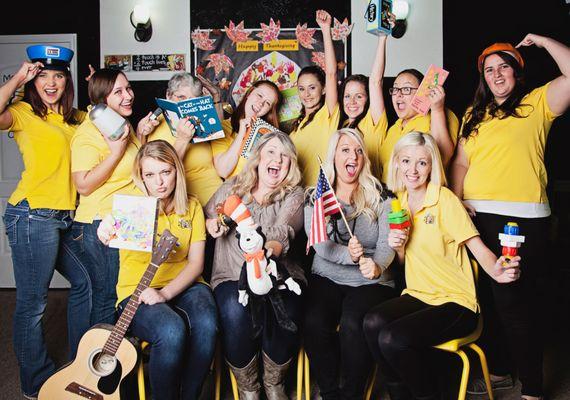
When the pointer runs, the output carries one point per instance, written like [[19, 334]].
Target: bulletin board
[[235, 57]]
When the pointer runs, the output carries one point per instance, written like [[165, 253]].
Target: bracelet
[[217, 102]]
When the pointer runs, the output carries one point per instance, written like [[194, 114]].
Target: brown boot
[[274, 378], [247, 380]]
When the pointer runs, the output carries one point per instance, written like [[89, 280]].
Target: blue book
[[201, 112]]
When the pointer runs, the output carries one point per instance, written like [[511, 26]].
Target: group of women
[[350, 314]]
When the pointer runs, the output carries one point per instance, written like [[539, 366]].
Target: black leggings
[[510, 311], [344, 351], [400, 333]]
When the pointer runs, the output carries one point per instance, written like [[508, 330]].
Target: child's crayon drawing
[[134, 222]]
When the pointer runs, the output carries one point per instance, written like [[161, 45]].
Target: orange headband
[[506, 47]]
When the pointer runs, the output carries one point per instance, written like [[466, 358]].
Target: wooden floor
[[557, 349]]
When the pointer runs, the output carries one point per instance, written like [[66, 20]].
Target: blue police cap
[[52, 57]]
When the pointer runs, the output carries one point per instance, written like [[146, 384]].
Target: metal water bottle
[[110, 123]]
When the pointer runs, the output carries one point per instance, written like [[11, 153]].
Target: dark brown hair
[[101, 85], [484, 100], [363, 79], [32, 97], [318, 73], [270, 117]]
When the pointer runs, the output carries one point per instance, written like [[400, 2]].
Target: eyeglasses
[[406, 90]]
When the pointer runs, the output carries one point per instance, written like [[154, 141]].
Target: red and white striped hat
[[236, 210]]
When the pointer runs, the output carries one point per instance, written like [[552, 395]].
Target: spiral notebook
[[252, 136]]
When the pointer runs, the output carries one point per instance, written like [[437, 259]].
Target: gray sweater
[[280, 221], [332, 259]]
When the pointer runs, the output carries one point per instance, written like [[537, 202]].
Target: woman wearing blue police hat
[[37, 218]]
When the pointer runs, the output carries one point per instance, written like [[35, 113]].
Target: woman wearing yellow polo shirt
[[500, 174], [202, 180], [439, 302], [440, 122], [37, 218], [361, 104], [320, 114], [101, 168], [261, 100], [178, 314]]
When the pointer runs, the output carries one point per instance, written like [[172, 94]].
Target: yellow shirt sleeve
[[457, 223], [85, 152], [198, 222], [374, 135], [223, 144]]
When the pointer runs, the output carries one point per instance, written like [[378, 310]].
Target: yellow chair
[[140, 374], [307, 380], [300, 359], [457, 346]]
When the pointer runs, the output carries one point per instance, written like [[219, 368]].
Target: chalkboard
[[158, 62]]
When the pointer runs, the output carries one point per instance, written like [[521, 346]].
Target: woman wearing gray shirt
[[349, 275], [269, 187]]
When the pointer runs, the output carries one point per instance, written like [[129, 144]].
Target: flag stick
[[332, 189]]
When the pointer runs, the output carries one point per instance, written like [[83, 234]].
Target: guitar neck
[[118, 332]]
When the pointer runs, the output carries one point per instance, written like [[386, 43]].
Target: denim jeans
[[237, 328], [104, 272], [43, 240], [182, 335]]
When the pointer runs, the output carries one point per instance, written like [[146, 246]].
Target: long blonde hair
[[161, 150], [437, 175], [367, 197], [248, 178]]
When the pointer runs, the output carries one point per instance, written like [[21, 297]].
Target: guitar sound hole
[[102, 364]]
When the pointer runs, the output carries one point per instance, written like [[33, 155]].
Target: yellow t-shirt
[[46, 181], [506, 156], [418, 123], [222, 145], [89, 149], [373, 138], [312, 141], [188, 228], [438, 269], [202, 180]]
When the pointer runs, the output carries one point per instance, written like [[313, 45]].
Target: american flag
[[325, 204]]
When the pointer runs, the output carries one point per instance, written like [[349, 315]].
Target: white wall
[[170, 26], [421, 46]]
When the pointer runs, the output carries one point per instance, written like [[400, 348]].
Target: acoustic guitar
[[105, 356]]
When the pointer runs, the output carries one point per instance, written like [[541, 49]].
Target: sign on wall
[[146, 62]]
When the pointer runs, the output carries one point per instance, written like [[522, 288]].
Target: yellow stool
[[457, 345], [300, 359], [307, 381], [140, 374], [217, 374]]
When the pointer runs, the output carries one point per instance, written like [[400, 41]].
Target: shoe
[[274, 378], [247, 380], [477, 385]]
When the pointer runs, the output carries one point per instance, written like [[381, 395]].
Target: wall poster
[[235, 57]]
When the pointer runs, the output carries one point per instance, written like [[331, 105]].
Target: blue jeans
[[182, 335], [237, 328], [104, 272], [43, 240]]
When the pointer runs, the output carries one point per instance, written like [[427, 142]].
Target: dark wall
[[43, 19], [468, 27]]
